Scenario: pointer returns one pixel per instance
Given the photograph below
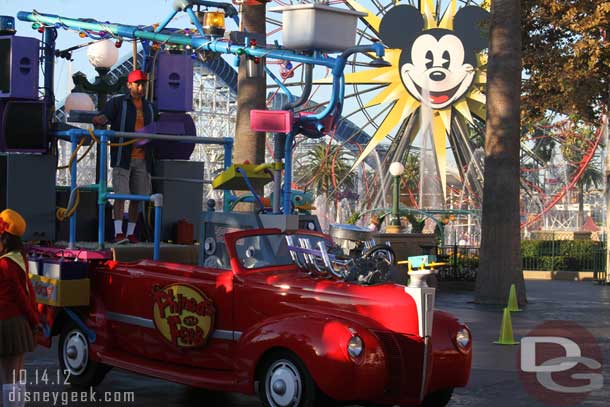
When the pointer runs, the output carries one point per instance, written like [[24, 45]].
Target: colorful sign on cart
[[61, 293]]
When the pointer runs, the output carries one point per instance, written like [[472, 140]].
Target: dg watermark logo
[[560, 363]]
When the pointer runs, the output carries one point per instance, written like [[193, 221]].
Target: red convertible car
[[267, 312]]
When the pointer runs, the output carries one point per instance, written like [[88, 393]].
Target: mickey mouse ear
[[400, 26], [471, 24]]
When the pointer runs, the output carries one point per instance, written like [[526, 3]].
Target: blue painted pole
[[196, 43], [73, 175], [165, 22], [102, 190], [157, 235], [279, 83], [337, 65], [228, 145], [288, 173], [195, 20], [129, 197]]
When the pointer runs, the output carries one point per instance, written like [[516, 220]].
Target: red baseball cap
[[137, 75]]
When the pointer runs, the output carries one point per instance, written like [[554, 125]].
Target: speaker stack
[[22, 114], [27, 173]]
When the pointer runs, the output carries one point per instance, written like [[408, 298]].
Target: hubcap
[[283, 384], [72, 352], [279, 387], [76, 352]]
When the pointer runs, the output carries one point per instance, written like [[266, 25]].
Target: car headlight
[[355, 346], [462, 338]]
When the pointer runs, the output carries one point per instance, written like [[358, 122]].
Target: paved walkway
[[495, 376], [494, 380]]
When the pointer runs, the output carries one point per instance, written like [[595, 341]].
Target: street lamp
[[78, 101], [396, 169], [102, 55]]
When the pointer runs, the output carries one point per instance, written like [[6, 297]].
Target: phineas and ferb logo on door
[[183, 315]]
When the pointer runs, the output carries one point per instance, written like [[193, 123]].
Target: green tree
[[326, 167], [500, 235], [410, 179], [566, 57], [410, 187]]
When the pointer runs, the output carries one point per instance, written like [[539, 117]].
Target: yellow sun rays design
[[403, 103]]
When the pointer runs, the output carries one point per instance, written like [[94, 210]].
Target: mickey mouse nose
[[437, 76]]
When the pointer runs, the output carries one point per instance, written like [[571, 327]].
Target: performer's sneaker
[[133, 239], [120, 239]]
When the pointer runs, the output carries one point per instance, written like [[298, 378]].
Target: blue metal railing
[[74, 135]]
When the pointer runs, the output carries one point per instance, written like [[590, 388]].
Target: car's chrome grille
[[393, 362]]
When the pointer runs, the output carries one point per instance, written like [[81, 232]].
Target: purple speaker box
[[174, 83], [19, 57], [178, 124]]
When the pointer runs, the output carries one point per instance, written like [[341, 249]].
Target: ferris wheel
[[431, 103]]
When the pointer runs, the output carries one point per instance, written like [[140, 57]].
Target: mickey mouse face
[[438, 74], [436, 65]]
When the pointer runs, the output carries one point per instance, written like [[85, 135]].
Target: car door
[[169, 312]]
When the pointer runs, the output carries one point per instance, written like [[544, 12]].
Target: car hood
[[383, 306]]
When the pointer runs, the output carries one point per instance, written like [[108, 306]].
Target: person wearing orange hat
[[19, 322], [131, 163]]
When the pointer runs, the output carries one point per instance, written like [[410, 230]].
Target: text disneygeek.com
[[80, 398]]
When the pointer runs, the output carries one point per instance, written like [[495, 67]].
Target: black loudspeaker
[[19, 57], [181, 183], [27, 185], [23, 126]]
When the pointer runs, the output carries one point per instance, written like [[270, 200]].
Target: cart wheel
[[285, 382], [439, 398], [78, 369]]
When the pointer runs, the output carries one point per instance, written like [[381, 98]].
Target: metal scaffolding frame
[[214, 112]]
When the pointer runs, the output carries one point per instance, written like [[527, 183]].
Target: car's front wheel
[[439, 398], [285, 382], [78, 369]]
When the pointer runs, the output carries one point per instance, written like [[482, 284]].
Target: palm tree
[[410, 178], [500, 264], [250, 145], [410, 184], [326, 168]]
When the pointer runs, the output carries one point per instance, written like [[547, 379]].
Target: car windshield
[[271, 250]]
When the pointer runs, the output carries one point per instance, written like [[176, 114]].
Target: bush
[[573, 255]]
